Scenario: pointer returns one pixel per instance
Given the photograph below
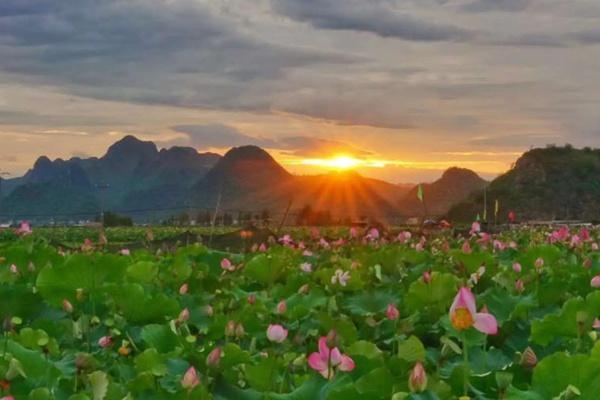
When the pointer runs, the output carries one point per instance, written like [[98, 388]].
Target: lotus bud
[[281, 307], [190, 379], [230, 329], [517, 267], [539, 263], [214, 357], [304, 289], [251, 299], [417, 382], [183, 289], [184, 316], [239, 331], [595, 282], [392, 312], [427, 277], [67, 306], [529, 358], [276, 333], [519, 285]]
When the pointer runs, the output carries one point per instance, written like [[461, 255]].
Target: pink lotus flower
[[276, 333], [327, 360], [286, 240], [595, 282], [281, 307], [105, 341], [262, 248], [214, 357], [14, 269], [466, 247], [404, 237], [353, 232], [373, 234], [584, 234], [306, 267], [417, 382], [7, 398], [184, 315], [595, 246], [183, 289], [125, 252], [251, 299], [519, 285], [539, 263], [517, 267], [463, 314], [24, 229], [392, 312], [190, 379], [67, 306], [596, 324], [427, 277], [475, 228], [227, 265], [341, 277]]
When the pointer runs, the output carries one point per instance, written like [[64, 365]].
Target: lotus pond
[[336, 315]]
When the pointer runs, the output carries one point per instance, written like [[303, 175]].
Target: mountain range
[[135, 178]]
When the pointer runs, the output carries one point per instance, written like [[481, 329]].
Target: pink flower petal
[[323, 348], [486, 323], [464, 299], [316, 362], [336, 357], [347, 364]]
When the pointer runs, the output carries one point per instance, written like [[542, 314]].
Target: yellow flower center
[[461, 319]]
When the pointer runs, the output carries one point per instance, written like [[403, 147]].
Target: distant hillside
[[132, 174], [550, 183], [455, 185]]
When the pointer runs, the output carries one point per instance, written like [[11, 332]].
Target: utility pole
[[102, 187]]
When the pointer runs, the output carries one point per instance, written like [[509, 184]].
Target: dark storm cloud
[[378, 17], [151, 51]]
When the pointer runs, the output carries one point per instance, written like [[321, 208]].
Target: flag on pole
[[420, 193]]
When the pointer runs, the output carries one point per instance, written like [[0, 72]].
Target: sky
[[410, 87]]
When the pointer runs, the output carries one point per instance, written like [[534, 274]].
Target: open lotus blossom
[[417, 381], [353, 232], [373, 234], [595, 283], [327, 360], [392, 312], [464, 315], [306, 267], [276, 333], [190, 379], [341, 277], [227, 265]]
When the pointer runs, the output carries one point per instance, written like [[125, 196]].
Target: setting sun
[[340, 162]]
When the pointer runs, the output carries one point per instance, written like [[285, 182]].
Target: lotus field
[[312, 315]]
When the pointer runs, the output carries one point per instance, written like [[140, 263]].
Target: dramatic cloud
[[223, 136], [378, 17]]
